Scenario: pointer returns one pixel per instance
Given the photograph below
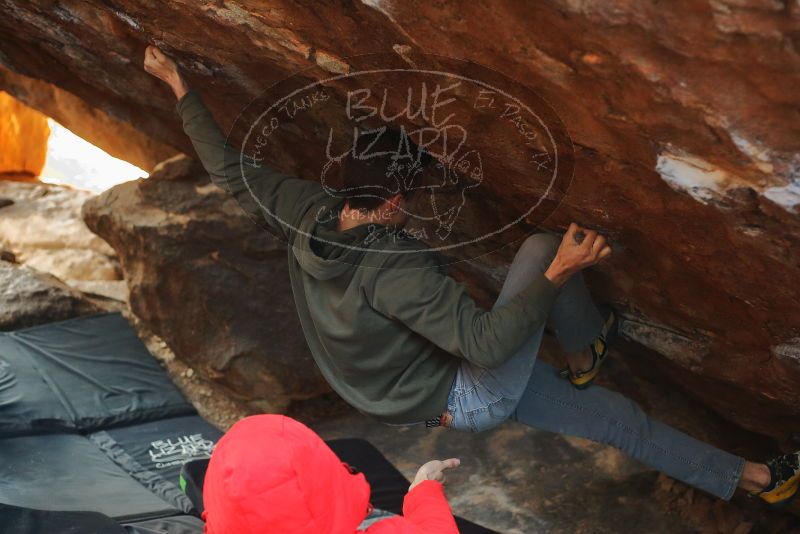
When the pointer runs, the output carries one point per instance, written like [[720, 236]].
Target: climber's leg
[[483, 398], [551, 403], [532, 393], [573, 317]]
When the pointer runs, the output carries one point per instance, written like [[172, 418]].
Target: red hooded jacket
[[272, 474]]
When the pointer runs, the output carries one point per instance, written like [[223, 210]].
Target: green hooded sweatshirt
[[386, 325]]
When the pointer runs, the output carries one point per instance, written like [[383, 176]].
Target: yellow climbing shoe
[[599, 348], [785, 473]]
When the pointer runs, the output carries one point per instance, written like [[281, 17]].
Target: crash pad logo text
[[178, 451]]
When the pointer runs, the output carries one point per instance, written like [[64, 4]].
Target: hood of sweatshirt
[[322, 250]]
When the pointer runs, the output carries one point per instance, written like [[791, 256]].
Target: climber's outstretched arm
[[262, 191]]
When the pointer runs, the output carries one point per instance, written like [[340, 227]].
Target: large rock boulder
[[42, 226], [209, 283], [29, 297], [683, 117], [23, 136]]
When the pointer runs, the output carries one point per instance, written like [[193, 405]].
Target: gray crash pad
[[67, 472], [83, 374]]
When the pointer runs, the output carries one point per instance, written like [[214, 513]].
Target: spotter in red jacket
[[272, 474]]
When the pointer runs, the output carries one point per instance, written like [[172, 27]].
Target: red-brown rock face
[[684, 117]]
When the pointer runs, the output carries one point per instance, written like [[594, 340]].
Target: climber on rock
[[401, 341]]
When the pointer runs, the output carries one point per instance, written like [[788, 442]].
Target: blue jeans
[[534, 394]]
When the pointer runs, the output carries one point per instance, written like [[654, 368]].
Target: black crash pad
[[16, 520], [388, 485], [182, 524], [153, 453], [67, 472], [86, 373]]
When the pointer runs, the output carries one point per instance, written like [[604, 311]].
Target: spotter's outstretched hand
[[434, 470]]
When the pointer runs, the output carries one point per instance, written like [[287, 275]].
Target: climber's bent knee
[[539, 249]]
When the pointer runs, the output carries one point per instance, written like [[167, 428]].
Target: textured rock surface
[[44, 229], [209, 283], [114, 134], [23, 136], [684, 119], [28, 298]]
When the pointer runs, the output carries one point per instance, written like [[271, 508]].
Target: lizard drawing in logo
[[437, 183]]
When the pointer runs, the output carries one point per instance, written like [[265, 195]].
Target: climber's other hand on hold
[[434, 470], [580, 248], [162, 67]]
